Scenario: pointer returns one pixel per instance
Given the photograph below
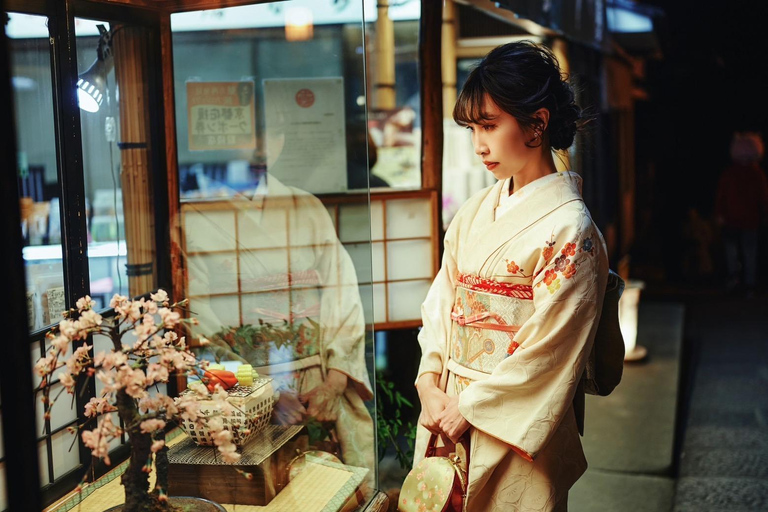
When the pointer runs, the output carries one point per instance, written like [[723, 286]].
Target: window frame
[[71, 181]]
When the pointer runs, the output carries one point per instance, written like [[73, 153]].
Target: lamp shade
[[91, 86]]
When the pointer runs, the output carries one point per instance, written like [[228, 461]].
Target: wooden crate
[[199, 471]]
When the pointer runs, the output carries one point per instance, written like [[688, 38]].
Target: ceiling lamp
[[298, 24]]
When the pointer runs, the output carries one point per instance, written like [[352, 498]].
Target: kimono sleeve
[[341, 310], [436, 310], [524, 399]]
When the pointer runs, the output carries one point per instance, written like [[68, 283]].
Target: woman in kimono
[[511, 316], [294, 275]]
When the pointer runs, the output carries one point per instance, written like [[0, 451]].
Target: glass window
[[394, 120], [113, 95], [38, 170], [271, 137]]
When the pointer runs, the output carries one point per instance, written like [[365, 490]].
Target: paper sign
[[220, 115], [305, 133]]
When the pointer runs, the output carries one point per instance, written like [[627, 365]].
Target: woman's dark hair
[[521, 78]]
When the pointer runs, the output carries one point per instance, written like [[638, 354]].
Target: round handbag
[[435, 484]]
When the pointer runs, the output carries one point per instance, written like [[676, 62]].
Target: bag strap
[[464, 441]]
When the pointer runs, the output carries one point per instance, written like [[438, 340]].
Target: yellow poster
[[220, 115]]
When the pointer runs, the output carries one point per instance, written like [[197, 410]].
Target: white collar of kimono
[[552, 191], [507, 201]]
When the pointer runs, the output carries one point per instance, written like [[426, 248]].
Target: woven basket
[[252, 410]]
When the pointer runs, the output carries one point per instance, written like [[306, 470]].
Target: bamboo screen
[[131, 56]]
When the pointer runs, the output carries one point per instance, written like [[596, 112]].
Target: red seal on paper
[[305, 98]]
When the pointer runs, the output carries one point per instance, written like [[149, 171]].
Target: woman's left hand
[[325, 399], [452, 423]]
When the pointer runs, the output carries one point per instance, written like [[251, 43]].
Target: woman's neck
[[537, 169]]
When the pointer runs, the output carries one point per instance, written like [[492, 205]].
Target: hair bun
[[564, 118], [521, 78]]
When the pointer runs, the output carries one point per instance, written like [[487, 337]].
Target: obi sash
[[486, 316]]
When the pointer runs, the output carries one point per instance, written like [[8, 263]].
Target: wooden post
[[171, 155], [384, 95], [431, 82], [131, 57], [430, 31], [449, 58]]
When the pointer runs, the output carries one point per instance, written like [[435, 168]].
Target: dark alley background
[[710, 83]]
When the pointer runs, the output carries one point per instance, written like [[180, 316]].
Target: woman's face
[[500, 142]]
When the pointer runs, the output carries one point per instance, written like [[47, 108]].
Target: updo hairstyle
[[521, 78]]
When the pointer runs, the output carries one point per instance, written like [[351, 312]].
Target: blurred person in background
[[741, 206]]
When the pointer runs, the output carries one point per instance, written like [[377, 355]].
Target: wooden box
[[199, 471]]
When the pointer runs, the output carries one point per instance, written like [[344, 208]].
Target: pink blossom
[[150, 307], [109, 360], [98, 406], [66, 380], [189, 407], [89, 319], [169, 405], [170, 318], [60, 343], [118, 302], [223, 439], [170, 337], [220, 402], [79, 359], [157, 446], [161, 296], [149, 426], [98, 439], [156, 373], [69, 328], [214, 423], [199, 388], [157, 342], [108, 379], [134, 381], [176, 359], [148, 403], [84, 303], [44, 365], [133, 311]]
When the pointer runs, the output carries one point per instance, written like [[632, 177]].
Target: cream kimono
[[514, 308], [289, 271]]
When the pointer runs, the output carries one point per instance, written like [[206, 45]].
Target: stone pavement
[[629, 436], [724, 462]]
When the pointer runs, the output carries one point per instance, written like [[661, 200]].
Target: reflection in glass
[[267, 277], [38, 171], [115, 136]]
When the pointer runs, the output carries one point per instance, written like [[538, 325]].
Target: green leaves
[[389, 429]]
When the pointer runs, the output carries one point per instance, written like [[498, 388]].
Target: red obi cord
[[481, 284]]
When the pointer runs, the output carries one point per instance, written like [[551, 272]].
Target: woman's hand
[[433, 401], [325, 399], [288, 409], [451, 422]]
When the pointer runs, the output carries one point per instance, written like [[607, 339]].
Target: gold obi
[[486, 316]]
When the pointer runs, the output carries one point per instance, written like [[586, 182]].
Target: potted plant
[[145, 351]]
